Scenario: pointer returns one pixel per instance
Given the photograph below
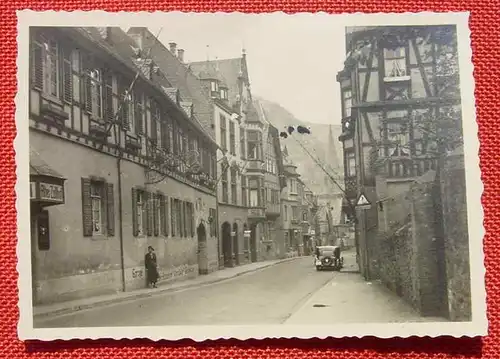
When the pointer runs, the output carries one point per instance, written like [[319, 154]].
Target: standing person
[[151, 267]]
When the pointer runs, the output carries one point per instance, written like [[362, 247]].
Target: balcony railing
[[256, 212], [255, 165], [408, 167], [273, 209]]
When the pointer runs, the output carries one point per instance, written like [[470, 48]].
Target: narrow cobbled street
[[292, 292]]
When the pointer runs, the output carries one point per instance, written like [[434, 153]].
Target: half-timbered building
[[398, 86], [118, 162]]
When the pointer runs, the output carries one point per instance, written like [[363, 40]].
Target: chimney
[[173, 47], [180, 55]]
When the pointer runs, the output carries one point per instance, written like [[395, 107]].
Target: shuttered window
[[139, 212], [94, 92], [67, 73], [51, 68], [189, 222], [173, 216], [139, 114], [98, 212], [163, 214]]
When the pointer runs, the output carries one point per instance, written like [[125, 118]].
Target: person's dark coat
[[151, 267]]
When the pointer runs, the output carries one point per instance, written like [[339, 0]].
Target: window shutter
[[139, 119], [110, 196], [163, 215], [135, 227], [67, 73], [156, 200], [149, 214], [124, 102], [172, 216], [88, 91], [37, 74], [86, 208], [109, 114]]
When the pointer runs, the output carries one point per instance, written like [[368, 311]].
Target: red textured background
[[484, 20]]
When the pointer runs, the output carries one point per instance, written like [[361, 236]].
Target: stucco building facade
[[113, 171]]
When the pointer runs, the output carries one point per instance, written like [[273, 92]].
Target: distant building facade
[[112, 172]]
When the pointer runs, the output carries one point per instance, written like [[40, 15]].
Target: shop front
[[46, 190]]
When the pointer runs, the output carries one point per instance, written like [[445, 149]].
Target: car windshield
[[326, 252]]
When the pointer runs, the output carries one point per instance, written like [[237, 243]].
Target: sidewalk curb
[[77, 308]]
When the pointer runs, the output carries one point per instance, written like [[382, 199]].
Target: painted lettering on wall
[[137, 273], [51, 192]]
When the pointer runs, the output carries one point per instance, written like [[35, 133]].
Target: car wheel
[[318, 268]]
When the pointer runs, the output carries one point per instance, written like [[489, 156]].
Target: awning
[[46, 184]]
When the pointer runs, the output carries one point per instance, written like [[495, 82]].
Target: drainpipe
[[120, 218]]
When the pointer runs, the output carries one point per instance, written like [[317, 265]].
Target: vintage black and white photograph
[[239, 175]]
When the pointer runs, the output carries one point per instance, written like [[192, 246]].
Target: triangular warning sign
[[362, 201]]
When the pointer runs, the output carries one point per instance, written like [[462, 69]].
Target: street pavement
[[348, 298], [291, 292]]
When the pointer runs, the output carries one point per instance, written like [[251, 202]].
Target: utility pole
[[360, 176]]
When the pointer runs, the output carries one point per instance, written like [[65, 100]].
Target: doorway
[[201, 233], [236, 245], [253, 243], [227, 249]]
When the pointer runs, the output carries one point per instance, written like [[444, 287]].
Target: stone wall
[[421, 244], [408, 248], [456, 231]]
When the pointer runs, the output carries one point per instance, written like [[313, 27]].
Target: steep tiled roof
[[178, 76], [232, 71]]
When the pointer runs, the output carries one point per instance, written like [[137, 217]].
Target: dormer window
[[223, 94], [214, 86], [395, 65]]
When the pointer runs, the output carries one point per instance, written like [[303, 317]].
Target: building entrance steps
[[67, 307]]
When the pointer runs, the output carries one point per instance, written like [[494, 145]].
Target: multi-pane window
[[254, 197], [347, 100], [50, 61], [95, 92], [232, 138], [286, 212], [224, 181], [128, 112], [140, 211], [155, 134], [350, 164], [176, 217], [98, 212], [234, 193], [96, 195], [254, 145], [189, 222], [397, 139], [244, 200], [242, 143], [51, 67], [173, 216], [223, 132], [395, 62]]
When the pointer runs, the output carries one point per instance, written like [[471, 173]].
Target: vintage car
[[328, 257]]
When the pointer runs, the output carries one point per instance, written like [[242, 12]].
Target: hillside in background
[[317, 143]]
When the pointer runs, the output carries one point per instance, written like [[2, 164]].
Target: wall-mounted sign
[[51, 192]]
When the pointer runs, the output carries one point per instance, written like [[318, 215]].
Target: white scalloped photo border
[[477, 327]]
